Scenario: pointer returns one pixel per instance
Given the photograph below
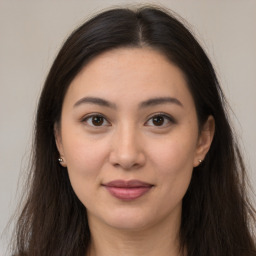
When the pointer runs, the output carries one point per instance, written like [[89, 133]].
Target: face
[[129, 138]]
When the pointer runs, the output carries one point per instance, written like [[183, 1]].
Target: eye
[[96, 120], [160, 120]]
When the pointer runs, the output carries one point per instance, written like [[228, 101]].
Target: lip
[[127, 190]]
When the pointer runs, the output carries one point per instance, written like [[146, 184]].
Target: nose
[[127, 149]]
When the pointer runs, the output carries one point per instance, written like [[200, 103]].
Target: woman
[[134, 153]]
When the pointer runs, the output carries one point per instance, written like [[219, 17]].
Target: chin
[[129, 224], [127, 219]]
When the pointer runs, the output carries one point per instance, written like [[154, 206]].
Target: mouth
[[127, 190]]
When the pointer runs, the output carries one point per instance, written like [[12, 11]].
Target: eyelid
[[85, 118], [162, 114]]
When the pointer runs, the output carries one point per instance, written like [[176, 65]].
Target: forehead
[[130, 73]]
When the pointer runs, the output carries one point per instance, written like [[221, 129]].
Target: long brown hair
[[216, 214]]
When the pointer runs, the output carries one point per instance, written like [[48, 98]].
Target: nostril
[[127, 165]]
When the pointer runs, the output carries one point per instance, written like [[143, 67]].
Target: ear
[[58, 141], [204, 140]]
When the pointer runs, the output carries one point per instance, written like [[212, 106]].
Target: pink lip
[[127, 190]]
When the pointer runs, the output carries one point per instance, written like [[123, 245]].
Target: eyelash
[[167, 118], [89, 117]]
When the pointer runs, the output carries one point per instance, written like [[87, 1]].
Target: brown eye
[[158, 120], [96, 120]]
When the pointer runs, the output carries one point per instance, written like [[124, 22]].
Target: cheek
[[174, 154], [173, 160], [85, 159], [84, 154]]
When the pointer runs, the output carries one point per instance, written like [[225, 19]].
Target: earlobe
[[62, 161], [204, 140]]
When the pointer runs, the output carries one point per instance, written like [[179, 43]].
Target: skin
[[128, 144]]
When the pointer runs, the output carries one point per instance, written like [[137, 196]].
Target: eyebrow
[[96, 101], [159, 101], [147, 103]]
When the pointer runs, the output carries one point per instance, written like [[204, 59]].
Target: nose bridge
[[127, 150]]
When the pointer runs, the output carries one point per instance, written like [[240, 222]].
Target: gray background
[[31, 32]]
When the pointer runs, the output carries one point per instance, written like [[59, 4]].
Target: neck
[[161, 240]]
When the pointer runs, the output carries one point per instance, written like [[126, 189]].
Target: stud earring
[[200, 161], [60, 159]]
